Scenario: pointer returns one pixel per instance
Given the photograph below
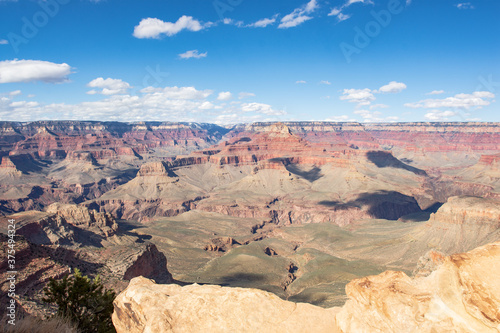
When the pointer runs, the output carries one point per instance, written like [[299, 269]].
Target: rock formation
[[146, 307], [461, 295]]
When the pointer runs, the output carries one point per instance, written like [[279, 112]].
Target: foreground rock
[[462, 295], [146, 307]]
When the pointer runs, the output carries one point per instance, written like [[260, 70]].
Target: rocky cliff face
[[146, 307], [461, 295], [56, 139], [461, 224], [49, 245], [64, 224]]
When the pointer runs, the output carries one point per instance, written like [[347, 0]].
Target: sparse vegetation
[[82, 301]]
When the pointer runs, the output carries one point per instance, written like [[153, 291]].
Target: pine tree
[[83, 301]]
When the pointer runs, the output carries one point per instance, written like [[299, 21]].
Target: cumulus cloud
[[224, 96], [436, 92], [476, 99], [243, 95], [325, 82], [464, 5], [342, 118], [392, 87], [15, 93], [359, 96], [33, 70], [378, 106], [192, 54], [4, 42], [437, 115], [299, 15], [151, 103], [263, 23], [108, 86], [374, 116], [155, 28], [182, 93], [261, 108], [300, 82], [338, 11]]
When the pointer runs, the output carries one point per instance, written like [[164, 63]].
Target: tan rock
[[462, 295], [146, 307]]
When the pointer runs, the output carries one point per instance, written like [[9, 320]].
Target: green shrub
[[83, 301]]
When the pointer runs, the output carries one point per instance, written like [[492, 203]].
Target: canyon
[[296, 210]]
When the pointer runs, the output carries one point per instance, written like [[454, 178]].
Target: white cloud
[[243, 95], [325, 82], [374, 116], [151, 103], [335, 12], [154, 28], [300, 82], [338, 11], [476, 99], [23, 104], [359, 96], [261, 108], [378, 106], [182, 93], [299, 15], [192, 54], [437, 115], [343, 17], [342, 118], [4, 42], [436, 92], [263, 23], [464, 5], [350, 2], [224, 96], [392, 87], [108, 86], [33, 70], [15, 93]]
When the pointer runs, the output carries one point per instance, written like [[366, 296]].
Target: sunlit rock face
[[461, 295], [147, 307]]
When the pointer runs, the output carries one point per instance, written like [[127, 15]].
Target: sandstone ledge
[[462, 295]]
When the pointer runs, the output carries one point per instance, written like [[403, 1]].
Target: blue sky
[[230, 61]]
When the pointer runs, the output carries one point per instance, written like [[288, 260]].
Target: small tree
[[83, 301]]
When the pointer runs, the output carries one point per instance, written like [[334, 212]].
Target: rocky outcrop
[[102, 224], [221, 244], [64, 224], [141, 260], [461, 295], [461, 224], [146, 307], [466, 210]]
